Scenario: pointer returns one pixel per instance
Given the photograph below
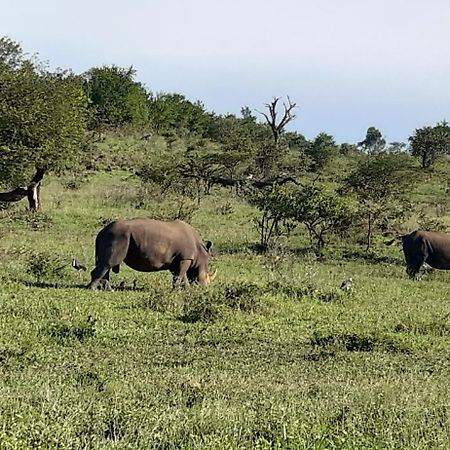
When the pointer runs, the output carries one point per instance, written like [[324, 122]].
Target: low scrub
[[353, 342], [213, 303], [44, 265], [65, 330], [35, 221]]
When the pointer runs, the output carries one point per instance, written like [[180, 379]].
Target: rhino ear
[[208, 245]]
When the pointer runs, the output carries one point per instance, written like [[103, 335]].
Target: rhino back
[[436, 248], [164, 241], [437, 240]]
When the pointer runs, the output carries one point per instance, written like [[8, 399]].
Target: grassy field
[[273, 355]]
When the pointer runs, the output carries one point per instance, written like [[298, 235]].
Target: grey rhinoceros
[[431, 247], [150, 245]]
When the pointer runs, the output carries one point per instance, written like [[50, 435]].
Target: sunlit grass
[[273, 355]]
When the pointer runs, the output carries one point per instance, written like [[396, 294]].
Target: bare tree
[[277, 128]]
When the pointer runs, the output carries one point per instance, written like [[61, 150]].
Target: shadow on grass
[[65, 285], [360, 255]]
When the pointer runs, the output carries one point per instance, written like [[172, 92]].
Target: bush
[[202, 307], [44, 265], [242, 296], [213, 303]]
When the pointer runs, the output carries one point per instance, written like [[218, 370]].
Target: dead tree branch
[[31, 191], [271, 118]]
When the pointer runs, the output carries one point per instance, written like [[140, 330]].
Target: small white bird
[[346, 285]]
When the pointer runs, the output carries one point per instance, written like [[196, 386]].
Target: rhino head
[[199, 272]]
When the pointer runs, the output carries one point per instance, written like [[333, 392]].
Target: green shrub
[[45, 265]]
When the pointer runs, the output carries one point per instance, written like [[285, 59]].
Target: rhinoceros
[[150, 245], [431, 247]]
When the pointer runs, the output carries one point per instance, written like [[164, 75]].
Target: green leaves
[[320, 209], [380, 183], [174, 113], [116, 99], [379, 177], [428, 143], [42, 116], [374, 141]]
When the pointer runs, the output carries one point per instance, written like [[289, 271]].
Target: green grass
[[273, 355]]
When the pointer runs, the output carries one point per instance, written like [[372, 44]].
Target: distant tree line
[[47, 120]]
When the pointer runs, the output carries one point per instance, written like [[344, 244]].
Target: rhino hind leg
[[100, 277], [109, 255]]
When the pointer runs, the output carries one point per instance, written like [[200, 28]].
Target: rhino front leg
[[180, 274]]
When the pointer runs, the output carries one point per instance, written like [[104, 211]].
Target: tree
[[115, 98], [320, 209], [321, 151], [379, 184], [175, 113], [346, 149], [278, 126], [373, 142], [427, 143], [322, 212], [274, 219], [238, 138], [270, 150], [42, 121]]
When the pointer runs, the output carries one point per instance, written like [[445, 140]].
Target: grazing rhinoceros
[[431, 247], [149, 246]]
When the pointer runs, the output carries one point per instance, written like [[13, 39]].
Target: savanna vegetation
[[273, 354]]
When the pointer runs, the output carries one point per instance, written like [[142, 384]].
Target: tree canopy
[[42, 116], [115, 98], [428, 143]]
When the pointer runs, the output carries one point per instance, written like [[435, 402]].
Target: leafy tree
[[174, 113], [238, 138], [186, 173], [247, 115], [322, 212], [321, 151], [42, 119], [373, 142], [274, 220], [244, 142], [115, 98], [199, 166], [346, 149], [319, 209], [11, 54], [427, 143], [380, 183]]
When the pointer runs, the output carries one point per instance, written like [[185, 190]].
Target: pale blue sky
[[349, 64]]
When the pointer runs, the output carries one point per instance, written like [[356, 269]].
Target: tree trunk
[[34, 196], [32, 192], [369, 233]]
